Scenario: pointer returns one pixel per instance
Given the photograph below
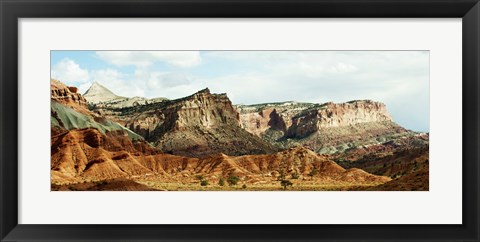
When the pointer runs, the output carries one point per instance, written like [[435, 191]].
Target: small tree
[[285, 184], [281, 175], [204, 183], [244, 186], [199, 177], [221, 182], [233, 180]]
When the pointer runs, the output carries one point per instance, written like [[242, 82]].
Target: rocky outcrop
[[257, 119], [66, 95], [298, 120], [326, 128], [331, 115], [203, 124]]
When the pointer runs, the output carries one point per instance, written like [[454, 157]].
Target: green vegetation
[[244, 186], [233, 180], [282, 175], [204, 183], [285, 184], [221, 182]]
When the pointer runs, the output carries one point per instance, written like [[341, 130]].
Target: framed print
[[266, 120]]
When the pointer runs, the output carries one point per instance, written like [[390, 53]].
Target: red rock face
[[88, 155], [258, 122], [333, 115], [300, 120], [66, 95]]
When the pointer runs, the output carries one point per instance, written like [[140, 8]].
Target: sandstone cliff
[[326, 128]]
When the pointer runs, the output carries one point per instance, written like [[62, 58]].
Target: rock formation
[[88, 155], [326, 128], [67, 96], [196, 126], [118, 143], [98, 94], [69, 111]]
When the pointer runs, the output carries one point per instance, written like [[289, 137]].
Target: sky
[[400, 79]]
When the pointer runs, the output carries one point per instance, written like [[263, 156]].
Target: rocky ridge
[[198, 125], [88, 155]]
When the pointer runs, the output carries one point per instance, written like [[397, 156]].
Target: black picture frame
[[12, 10]]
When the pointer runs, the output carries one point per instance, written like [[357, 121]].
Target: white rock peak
[[97, 93]]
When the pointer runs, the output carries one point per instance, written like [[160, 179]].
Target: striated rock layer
[[326, 128], [67, 96], [88, 155]]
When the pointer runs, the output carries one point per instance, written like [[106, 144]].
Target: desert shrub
[[221, 182], [204, 183], [285, 184], [282, 175], [295, 175], [199, 177], [244, 186], [233, 180]]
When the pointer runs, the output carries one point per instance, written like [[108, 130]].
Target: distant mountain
[[98, 94], [102, 98]]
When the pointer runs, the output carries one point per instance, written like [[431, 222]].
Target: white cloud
[[70, 72], [147, 58]]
